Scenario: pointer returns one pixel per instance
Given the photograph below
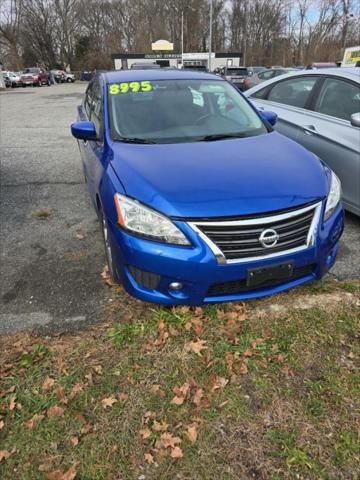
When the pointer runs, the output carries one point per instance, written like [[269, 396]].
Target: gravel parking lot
[[50, 274]]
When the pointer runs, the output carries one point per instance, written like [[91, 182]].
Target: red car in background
[[39, 77]]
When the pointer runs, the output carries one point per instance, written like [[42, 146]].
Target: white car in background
[[320, 109], [14, 78]]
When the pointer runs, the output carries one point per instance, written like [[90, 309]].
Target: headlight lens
[[334, 196], [146, 222]]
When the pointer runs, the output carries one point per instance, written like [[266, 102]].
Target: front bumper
[[196, 267]]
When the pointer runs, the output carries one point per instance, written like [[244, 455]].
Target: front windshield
[[174, 111]]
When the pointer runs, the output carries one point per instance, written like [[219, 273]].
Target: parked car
[[11, 79], [7, 80], [27, 80], [256, 70], [69, 77], [59, 75], [40, 76], [202, 202], [320, 109], [237, 75], [267, 75]]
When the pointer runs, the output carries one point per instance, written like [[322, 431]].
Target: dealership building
[[172, 59]]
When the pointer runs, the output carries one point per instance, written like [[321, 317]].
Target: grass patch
[[220, 392]]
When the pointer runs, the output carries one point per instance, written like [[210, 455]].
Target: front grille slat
[[241, 239]]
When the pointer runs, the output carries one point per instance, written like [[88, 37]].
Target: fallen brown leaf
[[196, 347], [85, 429], [74, 441], [98, 369], [105, 275], [160, 426], [1, 424], [149, 458], [198, 396], [123, 396], [178, 400], [168, 440], [176, 453], [4, 454], [79, 236], [108, 402], [60, 475], [48, 383], [248, 353], [191, 432], [31, 423], [12, 403], [55, 411], [78, 387], [218, 383], [145, 433]]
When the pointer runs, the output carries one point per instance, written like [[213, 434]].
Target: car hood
[[221, 178]]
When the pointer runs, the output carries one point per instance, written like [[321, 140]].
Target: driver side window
[[338, 99]]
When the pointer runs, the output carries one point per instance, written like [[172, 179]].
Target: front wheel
[[108, 251]]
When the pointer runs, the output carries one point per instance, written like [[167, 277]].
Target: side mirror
[[355, 119], [270, 117], [84, 130]]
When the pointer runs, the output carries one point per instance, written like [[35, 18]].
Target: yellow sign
[[351, 56], [125, 87], [162, 45]]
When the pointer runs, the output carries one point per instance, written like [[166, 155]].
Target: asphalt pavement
[[50, 274]]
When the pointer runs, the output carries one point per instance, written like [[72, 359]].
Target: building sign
[[159, 56], [162, 45]]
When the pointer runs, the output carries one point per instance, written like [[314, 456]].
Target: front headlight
[[333, 197], [145, 222]]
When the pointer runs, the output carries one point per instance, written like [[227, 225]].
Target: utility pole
[[182, 38], [210, 33]]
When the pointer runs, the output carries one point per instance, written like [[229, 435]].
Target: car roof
[[350, 73], [156, 74]]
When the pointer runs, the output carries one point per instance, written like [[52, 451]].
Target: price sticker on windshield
[[130, 87]]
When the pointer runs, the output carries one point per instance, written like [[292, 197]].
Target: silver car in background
[[268, 74], [320, 109]]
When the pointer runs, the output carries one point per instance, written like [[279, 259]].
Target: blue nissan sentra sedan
[[199, 199]]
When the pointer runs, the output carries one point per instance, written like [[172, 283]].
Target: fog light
[[175, 286]]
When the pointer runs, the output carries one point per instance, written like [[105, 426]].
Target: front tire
[[108, 251]]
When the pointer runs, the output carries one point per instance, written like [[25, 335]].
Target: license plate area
[[256, 277]]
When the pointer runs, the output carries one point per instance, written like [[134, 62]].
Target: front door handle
[[309, 129]]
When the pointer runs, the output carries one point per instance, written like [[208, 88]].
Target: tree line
[[84, 33]]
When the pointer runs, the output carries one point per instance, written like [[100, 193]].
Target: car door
[[289, 99], [329, 134], [92, 151]]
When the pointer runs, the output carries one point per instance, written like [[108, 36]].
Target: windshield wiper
[[221, 136], [135, 140]]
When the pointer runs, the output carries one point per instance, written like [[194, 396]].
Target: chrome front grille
[[239, 240]]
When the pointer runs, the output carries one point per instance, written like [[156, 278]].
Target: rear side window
[[338, 99], [266, 75], [294, 92]]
